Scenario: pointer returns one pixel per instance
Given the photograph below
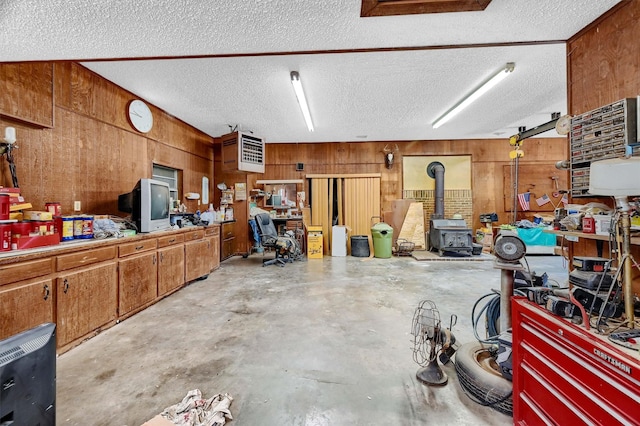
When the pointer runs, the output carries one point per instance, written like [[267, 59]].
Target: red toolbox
[[566, 375]]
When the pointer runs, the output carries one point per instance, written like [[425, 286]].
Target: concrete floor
[[318, 342]]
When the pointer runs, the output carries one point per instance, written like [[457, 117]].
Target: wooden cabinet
[[26, 295], [213, 234], [84, 258], [170, 263], [87, 300], [137, 275], [202, 253], [137, 282], [137, 247], [25, 270], [170, 268], [196, 254], [26, 92], [25, 304], [87, 288], [227, 240]]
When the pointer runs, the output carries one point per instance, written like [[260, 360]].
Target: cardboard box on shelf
[[37, 215], [603, 224], [19, 206]]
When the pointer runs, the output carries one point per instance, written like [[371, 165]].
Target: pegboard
[[538, 180]]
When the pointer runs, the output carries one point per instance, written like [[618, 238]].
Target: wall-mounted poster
[[301, 196], [241, 191]]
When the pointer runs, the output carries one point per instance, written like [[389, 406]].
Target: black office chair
[[269, 238]]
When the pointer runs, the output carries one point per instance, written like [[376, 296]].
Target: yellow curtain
[[357, 201], [361, 203], [320, 208]]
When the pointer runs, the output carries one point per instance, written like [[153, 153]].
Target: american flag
[[524, 200], [543, 200], [565, 199]]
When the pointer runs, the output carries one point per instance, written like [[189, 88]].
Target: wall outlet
[[77, 206]]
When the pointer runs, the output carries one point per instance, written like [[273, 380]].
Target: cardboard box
[[603, 224], [37, 215], [26, 242], [315, 245], [339, 240], [561, 251]]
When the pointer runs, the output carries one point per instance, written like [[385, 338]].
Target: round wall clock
[[140, 116]]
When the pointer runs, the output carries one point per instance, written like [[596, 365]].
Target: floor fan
[[429, 341]]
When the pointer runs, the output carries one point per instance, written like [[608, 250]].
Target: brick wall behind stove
[[455, 201]]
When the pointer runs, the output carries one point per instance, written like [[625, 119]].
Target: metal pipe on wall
[[435, 170]]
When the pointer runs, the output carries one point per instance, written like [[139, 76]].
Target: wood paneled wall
[[603, 66], [92, 153], [603, 60], [26, 92], [488, 159]]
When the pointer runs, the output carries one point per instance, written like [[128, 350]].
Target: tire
[[481, 379]]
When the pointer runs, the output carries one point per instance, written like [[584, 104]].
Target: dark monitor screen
[[159, 202]]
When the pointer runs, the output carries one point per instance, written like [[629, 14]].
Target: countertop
[[64, 247]]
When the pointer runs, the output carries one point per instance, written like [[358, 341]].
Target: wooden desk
[[294, 224]]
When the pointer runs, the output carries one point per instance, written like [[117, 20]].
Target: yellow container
[[314, 242], [37, 215]]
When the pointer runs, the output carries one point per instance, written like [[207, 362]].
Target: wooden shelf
[[577, 234]]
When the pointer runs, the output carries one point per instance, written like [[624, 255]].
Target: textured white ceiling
[[391, 95]]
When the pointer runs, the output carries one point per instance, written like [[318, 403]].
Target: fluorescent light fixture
[[302, 100], [481, 90]]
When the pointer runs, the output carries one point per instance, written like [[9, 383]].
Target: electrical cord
[[491, 309], [475, 319]]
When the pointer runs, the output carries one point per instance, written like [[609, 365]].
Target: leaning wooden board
[[413, 226]]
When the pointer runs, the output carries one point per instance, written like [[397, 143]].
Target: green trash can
[[382, 235]]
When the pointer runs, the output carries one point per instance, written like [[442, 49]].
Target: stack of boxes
[[21, 228]]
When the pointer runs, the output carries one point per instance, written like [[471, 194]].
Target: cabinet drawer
[[84, 258], [25, 270], [137, 247], [194, 235], [228, 231], [212, 231], [170, 240]]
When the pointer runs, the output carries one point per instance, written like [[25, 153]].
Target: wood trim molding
[[412, 7]]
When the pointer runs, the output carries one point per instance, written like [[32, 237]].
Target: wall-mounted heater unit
[[242, 152]]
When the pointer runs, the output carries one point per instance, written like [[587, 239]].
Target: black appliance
[[446, 235]]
